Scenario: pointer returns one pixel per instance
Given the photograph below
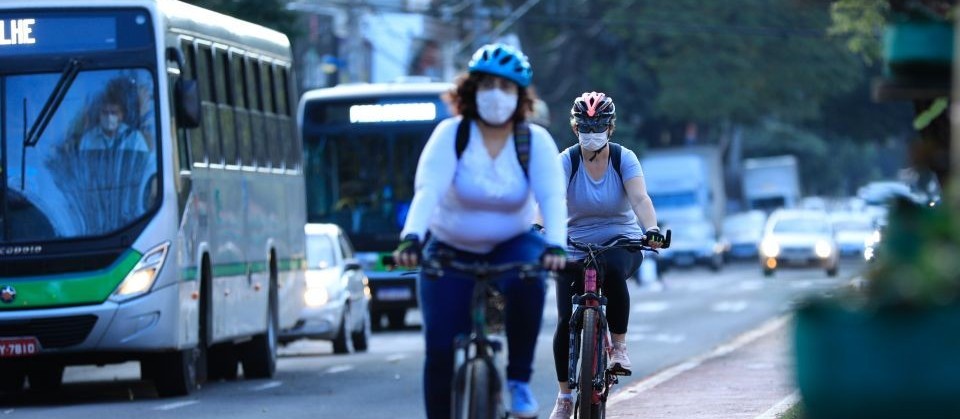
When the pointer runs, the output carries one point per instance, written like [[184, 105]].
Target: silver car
[[337, 295], [799, 238]]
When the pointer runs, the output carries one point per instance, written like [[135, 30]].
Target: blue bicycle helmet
[[504, 61]]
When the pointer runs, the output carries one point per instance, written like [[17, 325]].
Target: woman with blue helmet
[[478, 201]]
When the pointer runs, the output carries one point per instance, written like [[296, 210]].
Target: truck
[[771, 182], [686, 184]]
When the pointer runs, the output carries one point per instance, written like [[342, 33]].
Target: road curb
[[665, 375], [781, 407]]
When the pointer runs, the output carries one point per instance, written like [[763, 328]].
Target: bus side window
[[198, 151], [294, 148], [255, 103], [225, 101], [240, 109], [272, 123], [211, 129]]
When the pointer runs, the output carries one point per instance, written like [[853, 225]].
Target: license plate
[[394, 294], [18, 347]]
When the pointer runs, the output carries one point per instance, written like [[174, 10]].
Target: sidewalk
[[749, 377]]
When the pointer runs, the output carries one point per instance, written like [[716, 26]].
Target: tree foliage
[[270, 13]]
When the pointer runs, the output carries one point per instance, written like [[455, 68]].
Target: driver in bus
[[112, 133]]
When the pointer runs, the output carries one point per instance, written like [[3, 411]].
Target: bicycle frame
[[590, 341], [477, 381]]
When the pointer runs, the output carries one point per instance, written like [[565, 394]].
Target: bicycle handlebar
[[621, 242], [479, 270]]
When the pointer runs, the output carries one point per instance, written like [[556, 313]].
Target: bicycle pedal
[[618, 370]]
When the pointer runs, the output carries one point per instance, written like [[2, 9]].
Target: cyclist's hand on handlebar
[[408, 252], [554, 258], [655, 239]]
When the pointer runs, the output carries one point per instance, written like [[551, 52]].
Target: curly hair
[[463, 98]]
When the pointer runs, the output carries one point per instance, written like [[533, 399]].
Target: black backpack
[[521, 142], [615, 151]]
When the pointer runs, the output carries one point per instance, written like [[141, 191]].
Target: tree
[[270, 13]]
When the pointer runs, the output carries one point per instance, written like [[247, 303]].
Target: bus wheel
[[45, 378], [259, 355], [174, 373]]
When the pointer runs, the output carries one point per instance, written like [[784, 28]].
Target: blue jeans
[[445, 306]]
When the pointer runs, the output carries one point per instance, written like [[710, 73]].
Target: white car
[[799, 238], [337, 296], [742, 232], [692, 243], [852, 230]]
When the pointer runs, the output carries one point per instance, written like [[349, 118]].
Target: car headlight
[[315, 297], [770, 248], [823, 249], [141, 279]]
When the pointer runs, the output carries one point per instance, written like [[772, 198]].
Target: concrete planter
[[886, 363]]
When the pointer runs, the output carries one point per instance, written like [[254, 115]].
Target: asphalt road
[[695, 312]]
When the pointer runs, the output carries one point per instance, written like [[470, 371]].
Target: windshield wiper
[[67, 77]]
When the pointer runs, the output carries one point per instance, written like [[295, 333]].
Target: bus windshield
[[94, 168], [359, 175]]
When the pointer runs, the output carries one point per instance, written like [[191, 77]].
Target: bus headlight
[[823, 249], [770, 248], [140, 280]]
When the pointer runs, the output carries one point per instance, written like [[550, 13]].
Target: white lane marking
[[176, 405], [266, 386], [648, 383], [801, 284], [780, 408], [751, 285], [651, 307], [729, 306], [395, 357], [656, 337], [338, 369]]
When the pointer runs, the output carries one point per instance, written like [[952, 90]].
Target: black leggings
[[616, 265]]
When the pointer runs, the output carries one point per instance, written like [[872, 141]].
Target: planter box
[[893, 363]]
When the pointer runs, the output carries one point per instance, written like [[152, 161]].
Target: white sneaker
[[563, 409], [619, 361]]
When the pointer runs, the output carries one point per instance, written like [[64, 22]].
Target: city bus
[[361, 145], [152, 202]]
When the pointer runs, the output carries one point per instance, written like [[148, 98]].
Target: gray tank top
[[599, 210]]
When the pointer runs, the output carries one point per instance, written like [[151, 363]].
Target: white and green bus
[[152, 196], [361, 147]]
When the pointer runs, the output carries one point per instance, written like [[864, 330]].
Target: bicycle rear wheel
[[477, 392], [586, 409]]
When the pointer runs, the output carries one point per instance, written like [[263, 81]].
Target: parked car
[[742, 233], [852, 231], [694, 242], [337, 295], [799, 238]]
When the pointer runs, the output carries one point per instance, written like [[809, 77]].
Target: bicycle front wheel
[[477, 391], [586, 408]]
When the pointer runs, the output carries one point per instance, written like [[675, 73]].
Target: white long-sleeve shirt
[[483, 201]]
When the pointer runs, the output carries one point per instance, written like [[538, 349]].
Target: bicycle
[[477, 382], [590, 343]]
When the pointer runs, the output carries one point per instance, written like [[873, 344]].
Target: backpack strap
[[521, 143], [574, 152], [615, 152], [463, 136]]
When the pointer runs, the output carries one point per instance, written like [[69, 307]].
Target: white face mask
[[593, 141], [496, 106]]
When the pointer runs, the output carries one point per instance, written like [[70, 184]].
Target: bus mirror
[[187, 99]]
